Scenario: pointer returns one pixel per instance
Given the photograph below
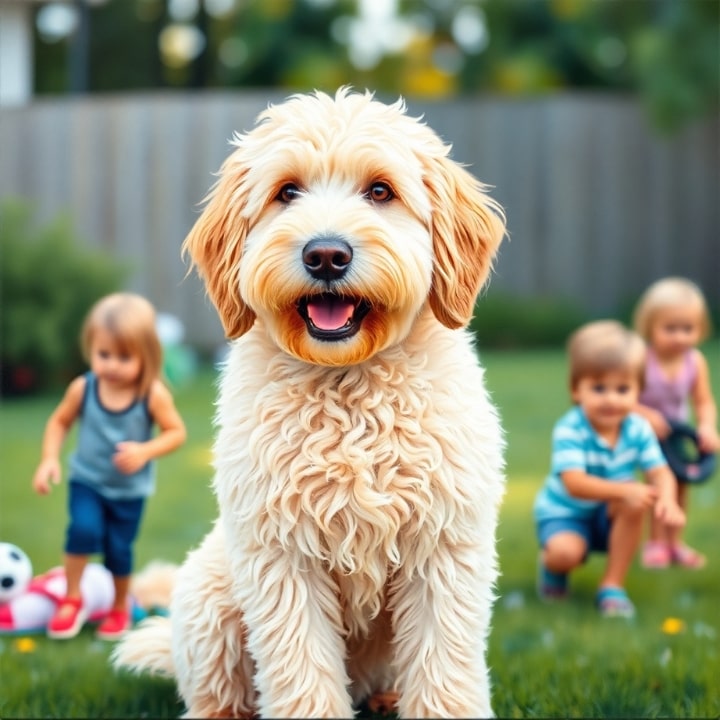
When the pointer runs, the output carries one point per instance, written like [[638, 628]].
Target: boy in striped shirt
[[592, 500]]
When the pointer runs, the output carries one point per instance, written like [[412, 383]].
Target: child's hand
[[669, 512], [639, 495], [708, 438], [48, 470], [129, 457]]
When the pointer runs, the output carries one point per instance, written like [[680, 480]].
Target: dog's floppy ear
[[467, 227], [215, 245]]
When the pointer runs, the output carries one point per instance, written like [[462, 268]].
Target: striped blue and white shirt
[[576, 446]]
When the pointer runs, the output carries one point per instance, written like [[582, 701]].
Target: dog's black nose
[[327, 258]]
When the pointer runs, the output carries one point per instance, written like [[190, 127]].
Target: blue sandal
[[614, 602], [551, 586]]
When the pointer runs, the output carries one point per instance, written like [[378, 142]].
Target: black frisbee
[[683, 454]]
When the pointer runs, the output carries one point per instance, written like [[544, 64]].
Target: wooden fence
[[599, 203]]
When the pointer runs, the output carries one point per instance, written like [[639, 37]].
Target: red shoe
[[68, 619], [114, 626]]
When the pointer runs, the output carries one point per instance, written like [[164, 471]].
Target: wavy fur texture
[[358, 479]]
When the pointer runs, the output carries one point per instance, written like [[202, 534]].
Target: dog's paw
[[383, 702]]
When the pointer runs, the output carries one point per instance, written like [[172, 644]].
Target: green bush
[[502, 321], [47, 284]]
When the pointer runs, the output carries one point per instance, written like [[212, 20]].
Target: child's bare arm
[[705, 407], [589, 487], [131, 456], [666, 508], [56, 429]]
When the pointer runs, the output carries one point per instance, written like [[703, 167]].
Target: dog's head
[[334, 221]]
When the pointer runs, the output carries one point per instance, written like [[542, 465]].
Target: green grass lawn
[[546, 661]]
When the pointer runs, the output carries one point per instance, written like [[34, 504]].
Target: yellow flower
[[25, 645], [673, 626]]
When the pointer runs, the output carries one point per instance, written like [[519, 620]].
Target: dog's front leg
[[292, 613], [440, 619]]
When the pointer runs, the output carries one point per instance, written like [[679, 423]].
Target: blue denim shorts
[[595, 529], [101, 525]]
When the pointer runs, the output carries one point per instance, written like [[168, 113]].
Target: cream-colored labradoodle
[[358, 459]]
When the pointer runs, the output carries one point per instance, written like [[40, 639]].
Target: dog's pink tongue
[[329, 314]]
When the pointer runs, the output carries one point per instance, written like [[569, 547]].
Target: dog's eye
[[380, 192], [288, 193]]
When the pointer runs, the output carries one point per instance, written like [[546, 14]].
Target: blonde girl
[[117, 403], [673, 318]]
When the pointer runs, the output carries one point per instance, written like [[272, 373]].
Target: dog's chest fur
[[345, 466]]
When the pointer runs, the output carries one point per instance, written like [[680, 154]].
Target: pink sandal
[[656, 555], [687, 557]]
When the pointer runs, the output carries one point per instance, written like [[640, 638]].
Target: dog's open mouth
[[332, 317]]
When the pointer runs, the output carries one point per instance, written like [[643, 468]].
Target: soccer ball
[[15, 572]]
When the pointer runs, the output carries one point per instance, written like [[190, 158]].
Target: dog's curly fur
[[359, 467]]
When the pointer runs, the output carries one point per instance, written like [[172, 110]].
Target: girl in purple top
[[673, 318]]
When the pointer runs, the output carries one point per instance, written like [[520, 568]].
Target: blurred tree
[[666, 51]]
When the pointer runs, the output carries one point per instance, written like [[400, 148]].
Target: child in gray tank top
[[117, 404]]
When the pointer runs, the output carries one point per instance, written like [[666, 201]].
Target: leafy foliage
[[664, 51], [504, 321], [47, 284]]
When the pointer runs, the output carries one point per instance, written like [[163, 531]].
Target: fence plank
[[598, 203]]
